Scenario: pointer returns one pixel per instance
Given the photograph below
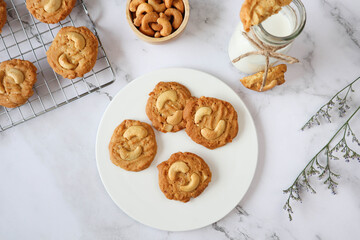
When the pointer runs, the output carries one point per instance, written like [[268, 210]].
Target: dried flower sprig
[[324, 170], [339, 100]]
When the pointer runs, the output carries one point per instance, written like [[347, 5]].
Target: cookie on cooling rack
[[133, 145], [73, 52], [165, 106], [210, 122], [50, 11], [17, 78], [183, 176], [2, 14]]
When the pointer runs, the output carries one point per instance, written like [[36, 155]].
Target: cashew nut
[[135, 131], [78, 39], [64, 62], [177, 16], [169, 95], [147, 19], [155, 26], [52, 6], [213, 134], [168, 3], [179, 5], [193, 184], [201, 112], [176, 167], [157, 5], [130, 155], [168, 127], [143, 8], [175, 118], [2, 75], [166, 26], [157, 35], [134, 5], [16, 75], [137, 21]]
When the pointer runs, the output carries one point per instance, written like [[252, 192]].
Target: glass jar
[[278, 30]]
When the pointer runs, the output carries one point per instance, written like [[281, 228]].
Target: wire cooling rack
[[24, 37]]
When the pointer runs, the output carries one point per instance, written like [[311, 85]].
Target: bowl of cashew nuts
[[157, 21]]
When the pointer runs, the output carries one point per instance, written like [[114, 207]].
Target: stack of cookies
[[170, 107], [72, 53]]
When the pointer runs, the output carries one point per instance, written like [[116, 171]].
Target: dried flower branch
[[324, 171], [337, 99]]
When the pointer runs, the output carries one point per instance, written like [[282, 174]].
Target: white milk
[[277, 25]]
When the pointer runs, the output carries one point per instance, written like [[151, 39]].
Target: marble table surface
[[49, 184]]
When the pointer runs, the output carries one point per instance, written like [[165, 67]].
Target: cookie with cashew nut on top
[[2, 14], [50, 11], [17, 78], [183, 176], [165, 106], [73, 52], [210, 122], [133, 145]]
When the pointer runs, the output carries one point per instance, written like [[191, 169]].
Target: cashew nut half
[[213, 134], [78, 39], [157, 5], [16, 75], [201, 112], [175, 118], [130, 155], [64, 62], [193, 184], [168, 127], [134, 5], [176, 167], [135, 131], [52, 6], [169, 95], [166, 27], [146, 20], [177, 16]]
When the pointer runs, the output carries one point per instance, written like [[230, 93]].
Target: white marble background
[[49, 184]]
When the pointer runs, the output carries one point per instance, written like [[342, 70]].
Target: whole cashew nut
[[143, 8], [179, 5], [134, 5], [130, 155], [166, 26], [78, 39], [137, 21], [177, 16], [175, 118], [64, 62], [201, 112], [193, 184], [16, 75], [52, 6], [213, 134], [168, 3], [147, 19], [135, 131], [155, 26], [176, 167], [169, 95], [157, 5]]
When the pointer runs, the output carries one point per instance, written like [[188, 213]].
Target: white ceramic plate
[[138, 194]]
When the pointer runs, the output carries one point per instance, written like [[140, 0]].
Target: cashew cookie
[[133, 145], [17, 78], [165, 106], [210, 122], [2, 14], [50, 11], [183, 176], [73, 52]]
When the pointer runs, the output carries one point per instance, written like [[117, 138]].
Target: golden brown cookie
[[254, 12], [275, 77], [2, 14], [17, 78], [73, 52], [165, 106], [210, 122], [133, 145], [183, 176], [50, 11]]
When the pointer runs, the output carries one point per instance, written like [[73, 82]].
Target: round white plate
[[138, 193]]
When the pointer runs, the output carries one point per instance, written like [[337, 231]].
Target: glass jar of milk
[[278, 30]]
